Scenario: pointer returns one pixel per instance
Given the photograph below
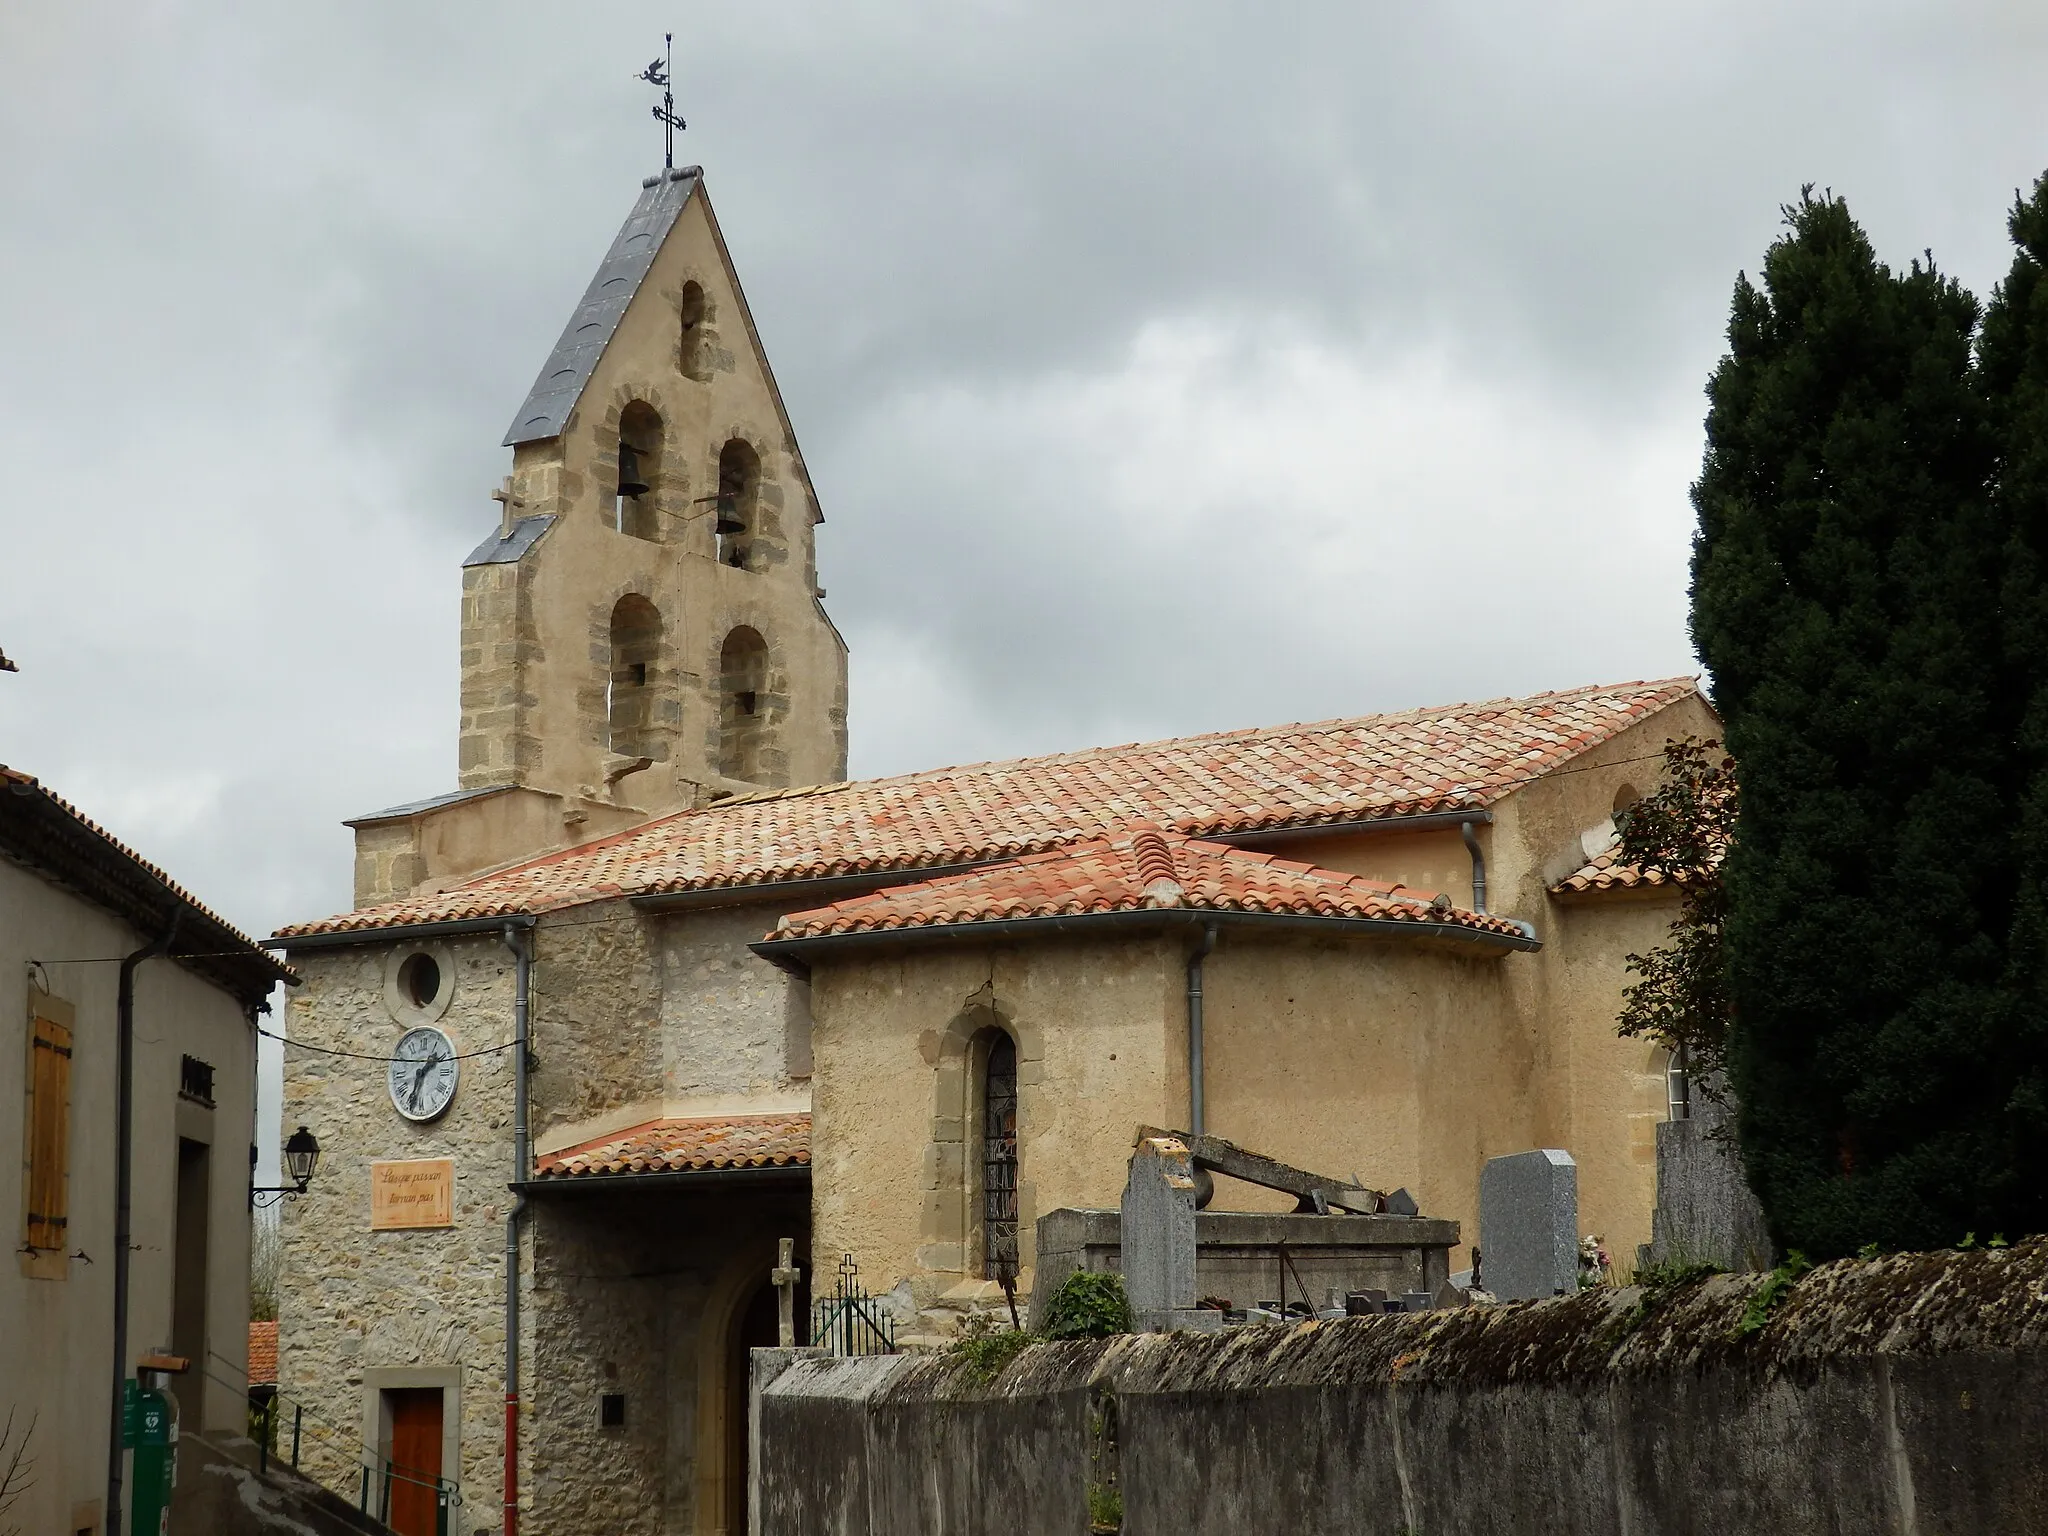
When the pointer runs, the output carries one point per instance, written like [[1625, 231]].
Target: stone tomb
[[1180, 1257], [1529, 1225]]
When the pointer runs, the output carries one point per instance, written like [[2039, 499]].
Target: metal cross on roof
[[661, 72]]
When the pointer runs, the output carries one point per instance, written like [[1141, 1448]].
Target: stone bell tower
[[646, 629], [643, 632]]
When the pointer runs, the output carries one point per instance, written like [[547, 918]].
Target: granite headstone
[[1529, 1224]]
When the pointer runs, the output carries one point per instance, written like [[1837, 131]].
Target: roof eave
[[792, 1175], [795, 955]]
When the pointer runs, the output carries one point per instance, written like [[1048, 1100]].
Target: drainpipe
[[523, 955], [1478, 865], [1196, 1117], [124, 1143]]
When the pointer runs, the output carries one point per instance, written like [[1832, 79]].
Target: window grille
[[999, 1161], [195, 1079]]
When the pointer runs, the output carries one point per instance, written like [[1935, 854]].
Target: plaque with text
[[418, 1192]]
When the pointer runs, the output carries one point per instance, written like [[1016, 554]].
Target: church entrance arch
[[741, 1314]]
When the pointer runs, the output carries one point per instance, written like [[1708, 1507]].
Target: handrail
[[447, 1490]]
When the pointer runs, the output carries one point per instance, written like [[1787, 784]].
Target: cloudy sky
[[1161, 367]]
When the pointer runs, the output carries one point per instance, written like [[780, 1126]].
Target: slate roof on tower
[[1449, 758], [545, 411]]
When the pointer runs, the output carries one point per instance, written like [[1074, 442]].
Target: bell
[[630, 483], [729, 517]]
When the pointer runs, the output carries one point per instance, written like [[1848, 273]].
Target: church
[[655, 988]]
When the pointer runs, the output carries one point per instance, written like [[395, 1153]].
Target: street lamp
[[301, 1157]]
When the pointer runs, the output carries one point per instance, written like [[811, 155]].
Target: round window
[[419, 980], [419, 983]]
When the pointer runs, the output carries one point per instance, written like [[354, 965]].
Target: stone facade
[[633, 1016], [356, 1303]]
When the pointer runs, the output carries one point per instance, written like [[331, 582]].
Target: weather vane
[[660, 73]]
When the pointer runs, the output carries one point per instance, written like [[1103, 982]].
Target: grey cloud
[[276, 279]]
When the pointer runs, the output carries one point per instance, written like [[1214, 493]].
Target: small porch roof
[[695, 1150]]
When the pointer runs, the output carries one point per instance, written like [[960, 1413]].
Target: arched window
[[690, 318], [739, 484], [742, 710], [633, 508], [998, 1157], [630, 686]]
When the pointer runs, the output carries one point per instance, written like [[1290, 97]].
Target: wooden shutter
[[49, 1132]]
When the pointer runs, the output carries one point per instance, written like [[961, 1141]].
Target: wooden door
[[415, 1458]]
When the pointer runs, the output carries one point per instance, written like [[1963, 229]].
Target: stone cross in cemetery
[[1529, 1224], [784, 1277], [1159, 1238]]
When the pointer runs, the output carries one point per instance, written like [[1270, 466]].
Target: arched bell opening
[[739, 486], [742, 705], [639, 476], [630, 687]]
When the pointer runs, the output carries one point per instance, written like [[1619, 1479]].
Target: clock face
[[423, 1072]]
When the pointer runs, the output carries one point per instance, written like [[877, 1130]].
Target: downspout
[[522, 954], [1197, 1119], [1471, 837], [124, 1145]]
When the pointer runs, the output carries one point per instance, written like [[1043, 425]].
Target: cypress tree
[[1844, 601], [2013, 372]]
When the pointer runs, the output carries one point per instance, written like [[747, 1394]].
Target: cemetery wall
[[1907, 1394]]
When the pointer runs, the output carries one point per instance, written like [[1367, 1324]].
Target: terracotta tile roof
[[1456, 757], [1140, 869], [46, 832], [263, 1354], [1606, 872], [687, 1146]]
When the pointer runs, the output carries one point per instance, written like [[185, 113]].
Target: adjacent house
[[97, 945]]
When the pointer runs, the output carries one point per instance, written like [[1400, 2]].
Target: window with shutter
[[48, 1123]]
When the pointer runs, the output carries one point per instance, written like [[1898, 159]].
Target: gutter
[[1478, 864], [1196, 1096], [794, 955], [790, 1174], [827, 886], [1421, 822], [520, 942], [124, 1180], [290, 943]]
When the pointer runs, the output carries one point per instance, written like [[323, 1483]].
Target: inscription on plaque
[[418, 1192]]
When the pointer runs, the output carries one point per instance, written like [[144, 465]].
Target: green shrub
[[1089, 1304]]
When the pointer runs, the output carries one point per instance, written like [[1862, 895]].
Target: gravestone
[[1705, 1210], [1159, 1238], [1529, 1224]]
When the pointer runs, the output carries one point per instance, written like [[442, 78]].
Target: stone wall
[[355, 1303], [1906, 1395]]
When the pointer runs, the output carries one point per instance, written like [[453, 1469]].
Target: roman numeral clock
[[423, 1074]]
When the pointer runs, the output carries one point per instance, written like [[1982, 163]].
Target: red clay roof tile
[[687, 1146], [1138, 870], [1455, 757]]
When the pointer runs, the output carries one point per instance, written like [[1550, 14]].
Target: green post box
[[155, 1440]]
